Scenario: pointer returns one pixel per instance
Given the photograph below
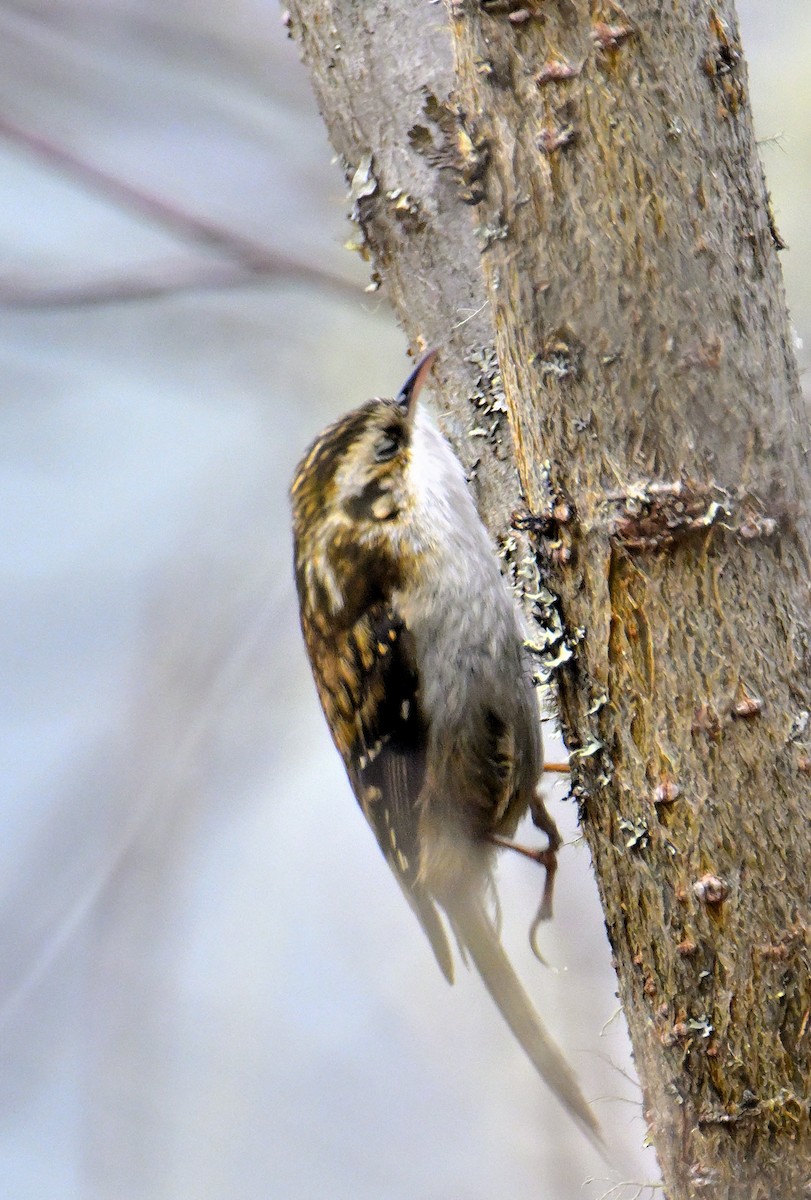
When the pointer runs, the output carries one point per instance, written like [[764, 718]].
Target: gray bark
[[578, 187]]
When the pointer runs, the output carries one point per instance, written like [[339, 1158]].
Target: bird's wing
[[368, 685], [369, 688]]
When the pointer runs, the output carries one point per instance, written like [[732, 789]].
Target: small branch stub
[[666, 793], [655, 515], [608, 37], [747, 707], [556, 69], [552, 139], [710, 890]]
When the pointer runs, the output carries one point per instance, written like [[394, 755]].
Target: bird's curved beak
[[408, 393]]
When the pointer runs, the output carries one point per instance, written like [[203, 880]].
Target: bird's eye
[[387, 445]]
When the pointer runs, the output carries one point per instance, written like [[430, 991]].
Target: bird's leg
[[543, 857], [543, 821], [547, 858]]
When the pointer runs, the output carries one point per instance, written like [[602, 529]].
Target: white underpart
[[463, 617]]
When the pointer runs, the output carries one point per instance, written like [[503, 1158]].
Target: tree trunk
[[577, 185]]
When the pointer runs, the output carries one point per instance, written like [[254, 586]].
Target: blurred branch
[[166, 282], [254, 262]]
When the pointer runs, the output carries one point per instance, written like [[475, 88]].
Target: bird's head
[[350, 493]]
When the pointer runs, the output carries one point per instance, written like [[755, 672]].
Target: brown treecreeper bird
[[416, 645]]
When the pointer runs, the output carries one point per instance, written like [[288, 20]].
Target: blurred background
[[209, 986]]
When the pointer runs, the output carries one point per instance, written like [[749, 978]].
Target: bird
[[416, 645]]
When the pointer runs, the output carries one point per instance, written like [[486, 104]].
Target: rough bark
[[577, 185]]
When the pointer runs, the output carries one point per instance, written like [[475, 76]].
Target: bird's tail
[[480, 939]]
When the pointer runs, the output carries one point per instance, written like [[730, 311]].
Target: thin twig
[[18, 294], [616, 1189], [608, 1060]]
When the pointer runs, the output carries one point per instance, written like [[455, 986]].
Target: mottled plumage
[[416, 647]]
